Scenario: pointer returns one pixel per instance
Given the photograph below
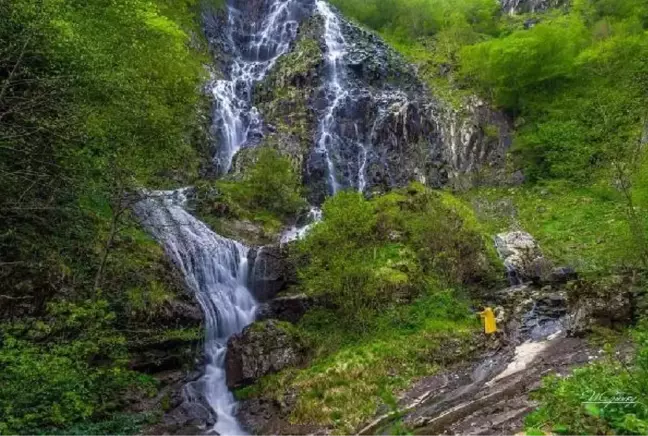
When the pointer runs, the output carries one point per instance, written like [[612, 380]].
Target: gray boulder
[[522, 257], [612, 308], [262, 348], [291, 308], [271, 271]]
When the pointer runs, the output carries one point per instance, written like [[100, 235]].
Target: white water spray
[[297, 233], [216, 270], [336, 93], [236, 120]]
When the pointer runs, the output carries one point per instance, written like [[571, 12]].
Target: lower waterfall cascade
[[216, 270]]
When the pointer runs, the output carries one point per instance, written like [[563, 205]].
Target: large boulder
[[291, 308], [522, 257], [271, 271], [608, 303], [262, 348]]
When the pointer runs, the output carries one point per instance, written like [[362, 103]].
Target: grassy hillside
[[398, 275]]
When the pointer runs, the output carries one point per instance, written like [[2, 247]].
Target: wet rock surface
[[184, 417], [262, 348], [271, 271], [537, 337], [523, 258]]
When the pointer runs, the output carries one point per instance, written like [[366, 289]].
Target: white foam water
[[216, 270], [336, 93], [256, 49]]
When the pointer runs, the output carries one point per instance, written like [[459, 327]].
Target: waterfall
[[256, 46], [216, 270], [296, 233], [329, 140]]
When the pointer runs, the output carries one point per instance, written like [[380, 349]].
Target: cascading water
[[216, 270], [255, 46], [296, 233], [355, 114], [329, 140]]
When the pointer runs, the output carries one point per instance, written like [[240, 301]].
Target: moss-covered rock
[[285, 98], [263, 348]]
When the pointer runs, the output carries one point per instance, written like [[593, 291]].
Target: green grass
[[579, 226], [354, 373], [564, 406]]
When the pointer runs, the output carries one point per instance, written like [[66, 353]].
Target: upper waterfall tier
[[257, 33], [351, 113]]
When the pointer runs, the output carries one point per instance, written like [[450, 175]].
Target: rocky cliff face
[[375, 126]]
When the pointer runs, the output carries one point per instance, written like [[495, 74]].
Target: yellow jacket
[[490, 325]]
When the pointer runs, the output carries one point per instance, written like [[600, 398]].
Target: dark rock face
[[290, 309], [388, 130], [185, 417], [592, 305], [262, 348], [271, 271], [158, 350]]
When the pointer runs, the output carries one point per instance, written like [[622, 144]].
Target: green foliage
[[412, 19], [584, 227], [366, 255], [512, 66], [65, 371], [389, 271], [608, 396], [269, 192], [119, 423], [354, 371], [97, 99]]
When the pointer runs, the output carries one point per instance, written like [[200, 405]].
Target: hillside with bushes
[[286, 216]]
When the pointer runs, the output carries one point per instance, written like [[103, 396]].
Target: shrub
[[269, 191], [369, 254], [67, 371]]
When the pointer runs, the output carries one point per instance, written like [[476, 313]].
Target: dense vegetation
[[563, 410], [268, 193], [368, 254], [97, 99], [100, 98]]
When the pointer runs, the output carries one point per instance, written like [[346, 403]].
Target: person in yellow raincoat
[[490, 325]]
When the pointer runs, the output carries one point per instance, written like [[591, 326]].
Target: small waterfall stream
[[216, 270], [329, 141], [256, 48]]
